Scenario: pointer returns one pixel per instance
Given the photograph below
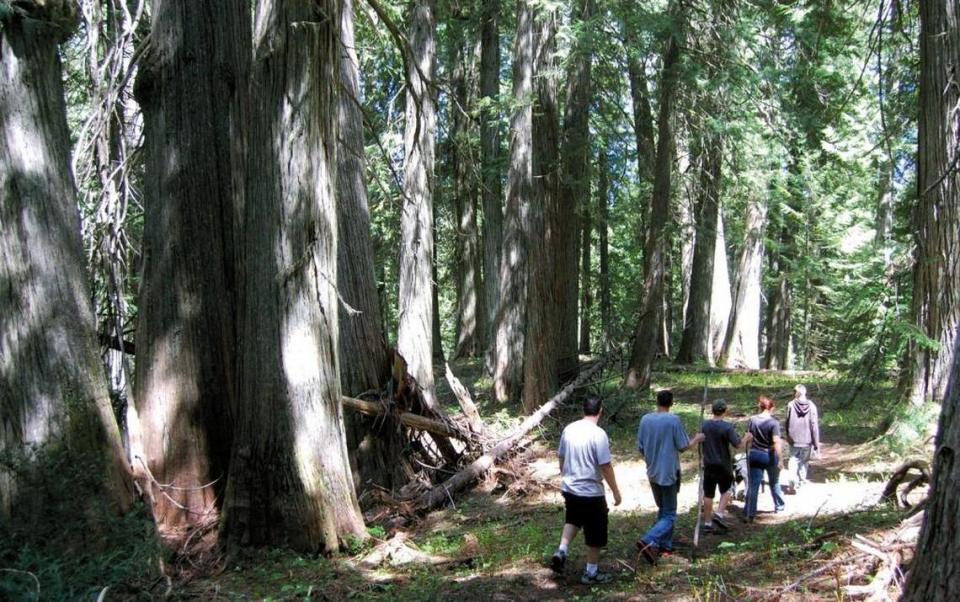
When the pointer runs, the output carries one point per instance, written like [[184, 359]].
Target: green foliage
[[66, 536]]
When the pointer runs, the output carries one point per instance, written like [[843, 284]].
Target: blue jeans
[[798, 465], [661, 533], [761, 461]]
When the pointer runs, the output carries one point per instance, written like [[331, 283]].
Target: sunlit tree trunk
[[650, 321], [364, 362], [289, 480], [936, 218], [415, 334], [722, 299], [511, 312], [741, 348], [52, 388], [192, 85], [696, 343], [491, 189]]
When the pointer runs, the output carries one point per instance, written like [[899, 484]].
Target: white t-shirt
[[584, 447]]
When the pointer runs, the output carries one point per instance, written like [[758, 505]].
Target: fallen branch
[[900, 475], [466, 402], [414, 421], [440, 494]]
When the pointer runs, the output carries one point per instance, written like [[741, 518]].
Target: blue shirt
[[659, 440]]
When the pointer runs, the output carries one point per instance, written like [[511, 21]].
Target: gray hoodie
[[803, 424]]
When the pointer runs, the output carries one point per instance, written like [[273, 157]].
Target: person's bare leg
[[569, 532], [593, 555], [724, 500], [708, 510]]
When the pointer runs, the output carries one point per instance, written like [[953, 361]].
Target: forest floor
[[495, 543]]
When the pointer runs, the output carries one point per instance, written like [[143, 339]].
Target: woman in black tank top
[[764, 456]]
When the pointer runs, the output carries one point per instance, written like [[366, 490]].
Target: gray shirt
[[660, 439], [584, 448]]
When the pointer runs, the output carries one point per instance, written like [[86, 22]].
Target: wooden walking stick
[[696, 530]]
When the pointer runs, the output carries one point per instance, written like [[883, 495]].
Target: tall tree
[[491, 189], [696, 343], [543, 315], [470, 313], [603, 242], [722, 297], [365, 363], [415, 335], [192, 87], [574, 185], [52, 390], [936, 217], [742, 341], [289, 480], [512, 305], [655, 248], [586, 288]]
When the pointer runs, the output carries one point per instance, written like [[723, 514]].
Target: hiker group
[[585, 463]]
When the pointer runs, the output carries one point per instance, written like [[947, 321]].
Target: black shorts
[[716, 475], [589, 513]]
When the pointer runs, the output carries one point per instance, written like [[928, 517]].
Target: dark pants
[[761, 461], [661, 533]]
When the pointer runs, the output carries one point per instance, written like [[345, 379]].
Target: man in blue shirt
[[660, 439]]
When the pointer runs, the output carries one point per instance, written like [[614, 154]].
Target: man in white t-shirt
[[585, 463]]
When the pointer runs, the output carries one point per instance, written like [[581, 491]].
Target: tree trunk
[[52, 389], [491, 189], [574, 187], [586, 295], [436, 334], [192, 87], [289, 481], [511, 312], [779, 315], [722, 297], [936, 218], [364, 359], [603, 212], [646, 341], [695, 346], [741, 348], [470, 327], [415, 334]]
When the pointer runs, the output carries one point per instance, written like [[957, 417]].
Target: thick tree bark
[[511, 311], [574, 187], [491, 189], [415, 334], [695, 346], [741, 348], [603, 212], [647, 337], [364, 358], [289, 481], [470, 313], [779, 327], [52, 390], [936, 219], [192, 87], [722, 299], [543, 312], [586, 288]]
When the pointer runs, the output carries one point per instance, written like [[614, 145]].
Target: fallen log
[[443, 492], [414, 421], [899, 476]]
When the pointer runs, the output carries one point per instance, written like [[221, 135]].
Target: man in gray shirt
[[584, 463], [660, 439]]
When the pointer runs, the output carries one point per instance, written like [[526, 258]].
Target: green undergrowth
[[64, 542]]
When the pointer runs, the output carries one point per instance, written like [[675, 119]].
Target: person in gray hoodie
[[803, 435]]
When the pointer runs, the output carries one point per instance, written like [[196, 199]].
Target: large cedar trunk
[[364, 361], [491, 189], [779, 349], [936, 218], [722, 299], [741, 348], [470, 313], [603, 212], [289, 480], [650, 320], [586, 284], [415, 335], [511, 311], [192, 87], [52, 389], [695, 346], [543, 311], [574, 188]]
